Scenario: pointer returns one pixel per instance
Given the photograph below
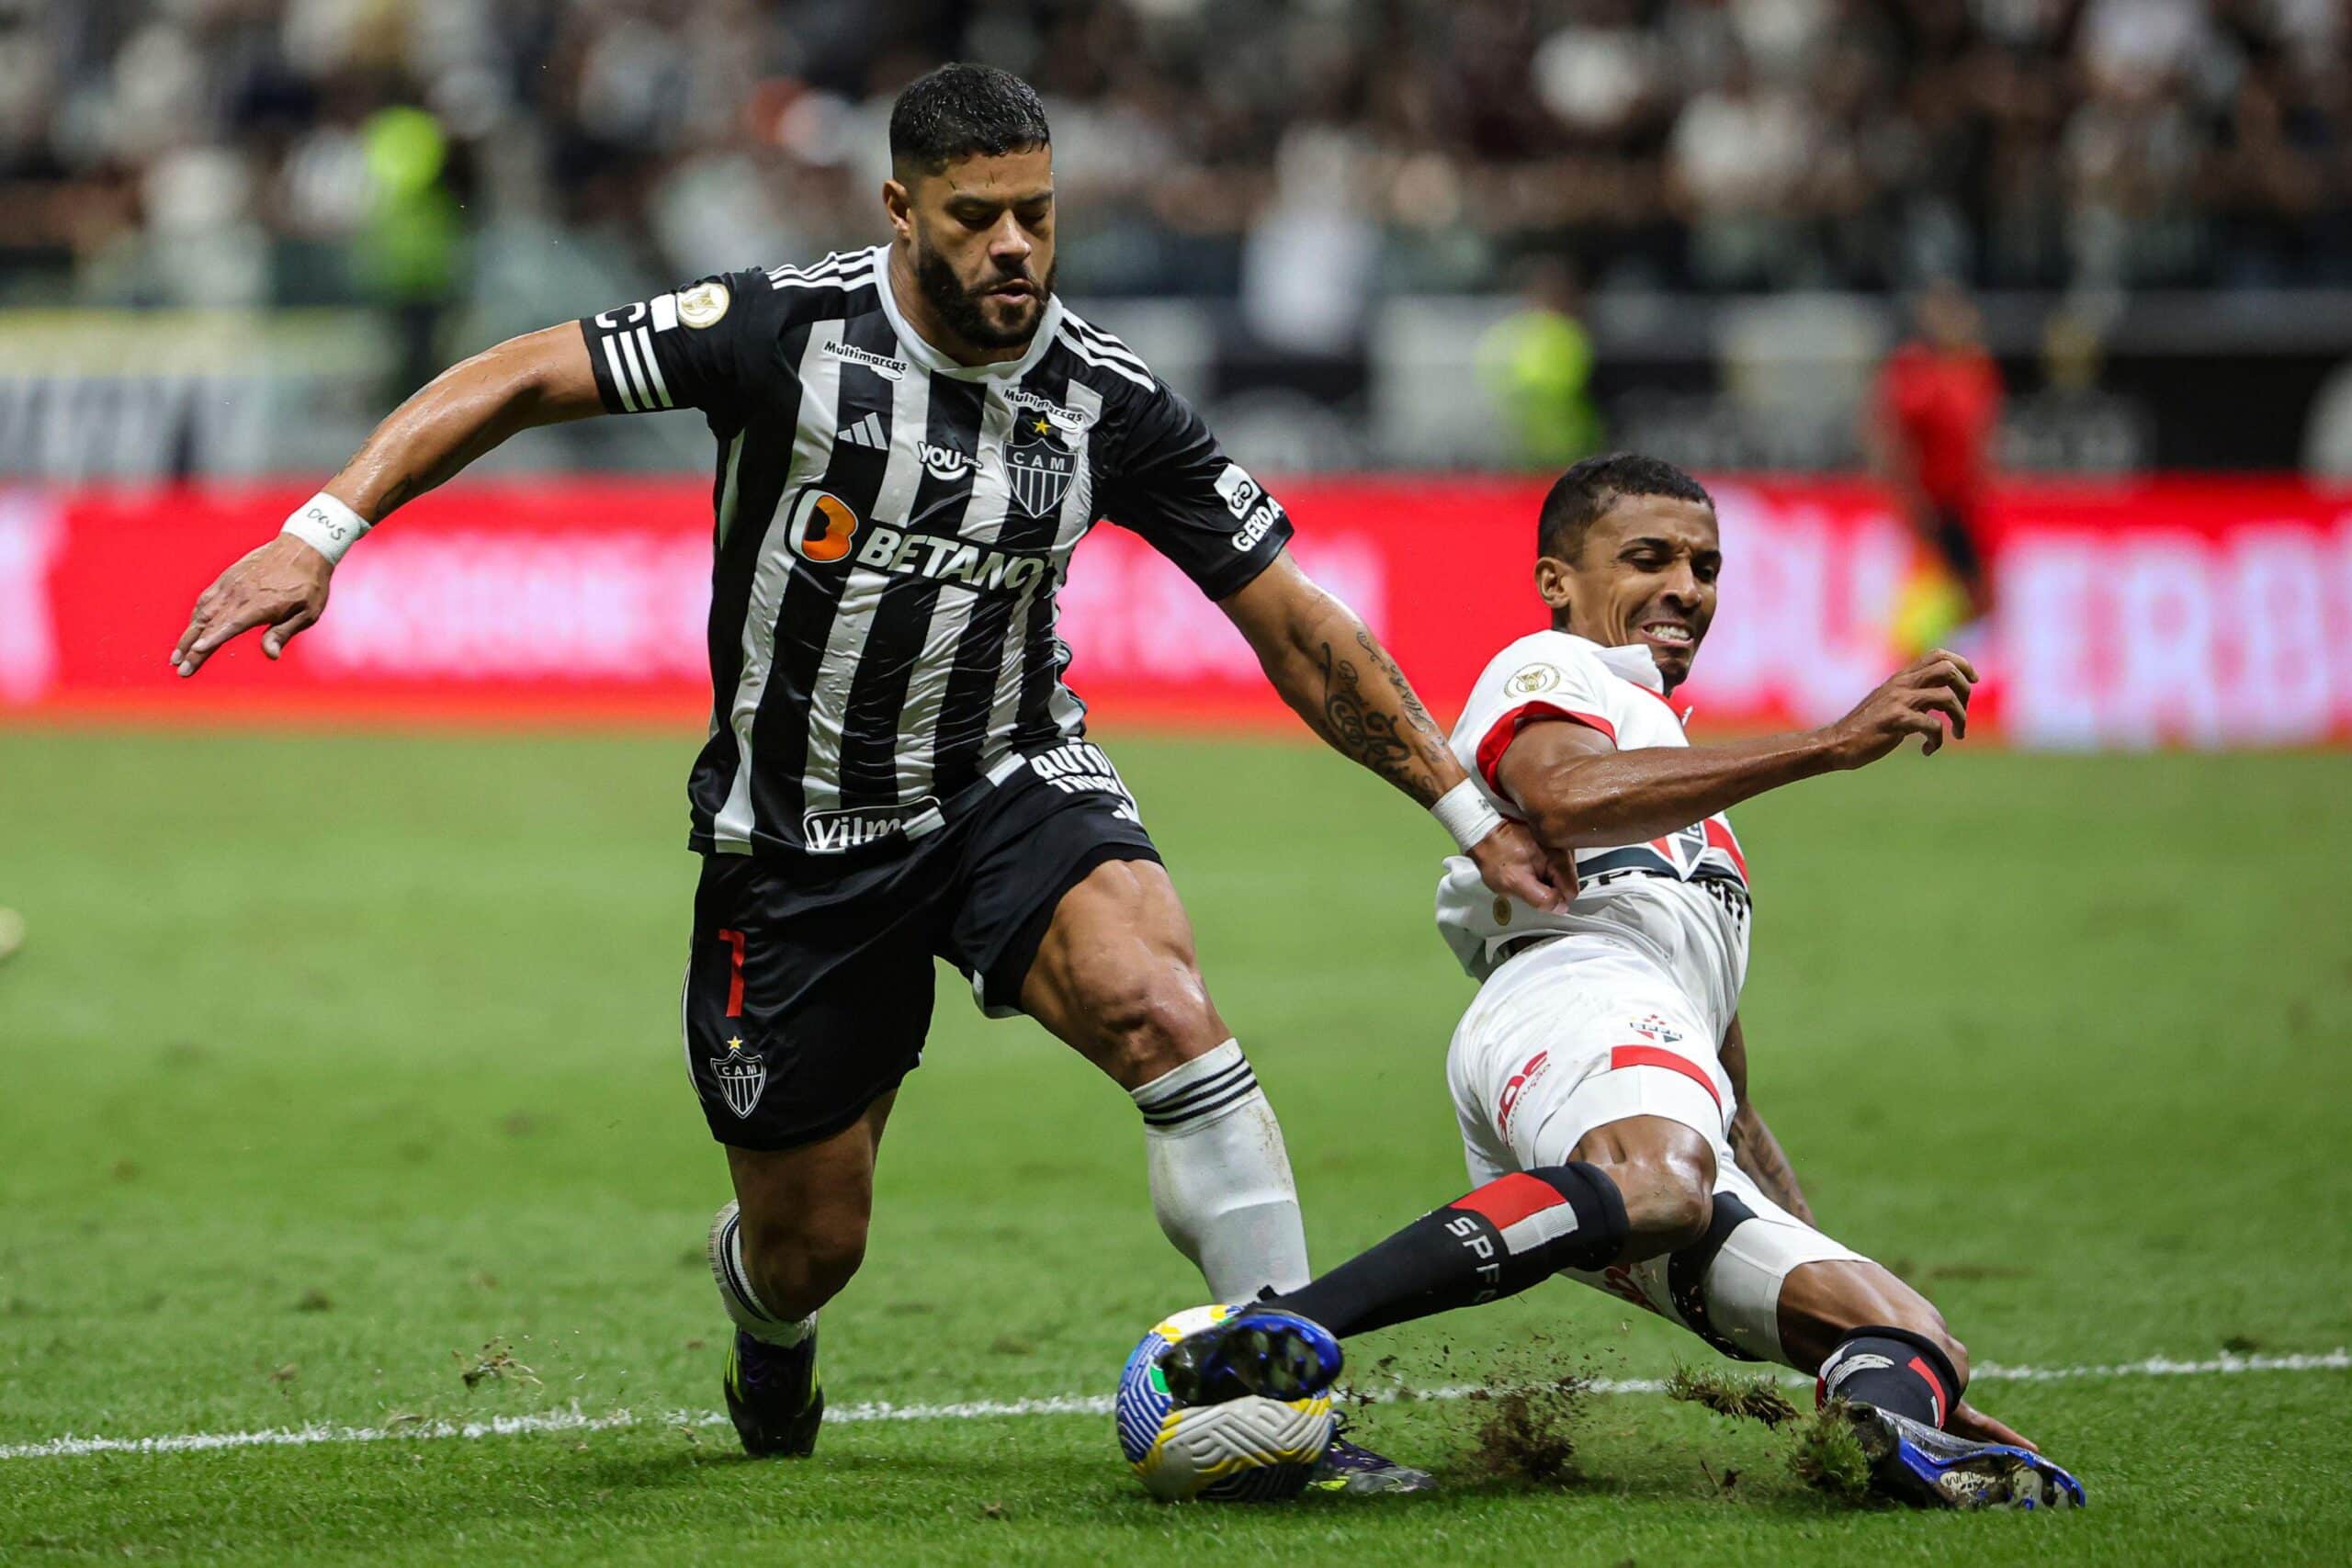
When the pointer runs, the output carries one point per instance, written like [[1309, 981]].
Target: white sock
[[734, 1282], [1220, 1177]]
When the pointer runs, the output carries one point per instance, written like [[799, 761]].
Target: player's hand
[[282, 586], [1967, 1421], [1514, 865], [1920, 699]]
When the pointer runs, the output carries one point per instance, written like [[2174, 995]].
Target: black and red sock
[[1892, 1369], [1511, 1233]]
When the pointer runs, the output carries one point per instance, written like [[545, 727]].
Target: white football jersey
[[1681, 899]]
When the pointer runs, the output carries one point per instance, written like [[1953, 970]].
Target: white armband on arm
[[1466, 813], [327, 525]]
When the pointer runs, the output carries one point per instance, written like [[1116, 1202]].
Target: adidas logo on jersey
[[867, 432]]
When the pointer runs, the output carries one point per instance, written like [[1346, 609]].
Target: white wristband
[[327, 525], [1465, 812]]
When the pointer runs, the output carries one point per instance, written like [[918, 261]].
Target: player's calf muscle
[[805, 1214]]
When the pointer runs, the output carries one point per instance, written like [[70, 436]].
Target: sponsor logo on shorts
[[1537, 1065], [1079, 767], [1619, 1281], [742, 1078], [837, 833], [1655, 1028]]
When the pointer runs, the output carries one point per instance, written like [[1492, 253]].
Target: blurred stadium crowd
[[1298, 155]]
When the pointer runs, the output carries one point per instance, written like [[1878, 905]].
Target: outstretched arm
[[1752, 1143], [1332, 671], [541, 378], [1579, 791]]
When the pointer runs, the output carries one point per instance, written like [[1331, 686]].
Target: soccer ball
[[1247, 1450]]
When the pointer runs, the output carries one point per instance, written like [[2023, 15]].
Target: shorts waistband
[[1512, 947]]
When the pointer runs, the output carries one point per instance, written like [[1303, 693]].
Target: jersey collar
[[1630, 661], [918, 348]]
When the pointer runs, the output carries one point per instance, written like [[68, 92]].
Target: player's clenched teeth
[[1668, 631]]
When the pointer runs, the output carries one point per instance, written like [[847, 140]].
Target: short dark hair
[[961, 110], [1582, 495]]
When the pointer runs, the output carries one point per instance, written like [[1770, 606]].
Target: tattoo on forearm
[[1415, 714], [1369, 733]]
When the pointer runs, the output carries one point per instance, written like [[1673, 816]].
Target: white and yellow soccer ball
[[1247, 1450]]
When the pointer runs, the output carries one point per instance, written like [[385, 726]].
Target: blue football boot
[[774, 1396], [1915, 1464], [1259, 1350]]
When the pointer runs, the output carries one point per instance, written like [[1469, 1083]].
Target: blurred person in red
[[1928, 430]]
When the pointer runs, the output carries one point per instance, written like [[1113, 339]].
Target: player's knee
[[797, 1264], [1150, 1020], [1676, 1212], [1669, 1206]]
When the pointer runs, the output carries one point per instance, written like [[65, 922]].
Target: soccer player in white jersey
[[910, 442], [1599, 1077]]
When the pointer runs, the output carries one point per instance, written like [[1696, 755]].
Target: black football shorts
[[809, 988]]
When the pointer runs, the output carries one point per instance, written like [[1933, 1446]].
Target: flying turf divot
[[577, 1420]]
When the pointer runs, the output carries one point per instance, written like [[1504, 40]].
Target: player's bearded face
[[1646, 575], [997, 309], [981, 238]]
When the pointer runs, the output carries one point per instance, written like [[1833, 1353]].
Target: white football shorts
[[1584, 1030]]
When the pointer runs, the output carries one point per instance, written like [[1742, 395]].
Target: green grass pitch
[[331, 1060]]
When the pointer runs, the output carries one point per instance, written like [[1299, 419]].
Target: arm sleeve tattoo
[[1380, 723]]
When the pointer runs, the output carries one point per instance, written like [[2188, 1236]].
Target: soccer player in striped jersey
[[910, 441], [1601, 1076]]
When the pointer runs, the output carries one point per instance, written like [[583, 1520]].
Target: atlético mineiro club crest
[[742, 1078], [1039, 463]]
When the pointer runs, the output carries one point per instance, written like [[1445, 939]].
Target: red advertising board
[[2166, 612]]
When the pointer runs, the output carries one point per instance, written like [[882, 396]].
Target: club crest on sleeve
[[742, 1078], [1534, 679], [1655, 1028], [1039, 462], [702, 305]]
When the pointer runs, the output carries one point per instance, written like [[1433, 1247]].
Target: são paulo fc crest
[[742, 1078], [1039, 462]]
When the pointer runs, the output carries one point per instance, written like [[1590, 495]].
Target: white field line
[[576, 1420]]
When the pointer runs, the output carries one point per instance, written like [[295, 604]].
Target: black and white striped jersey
[[892, 528]]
